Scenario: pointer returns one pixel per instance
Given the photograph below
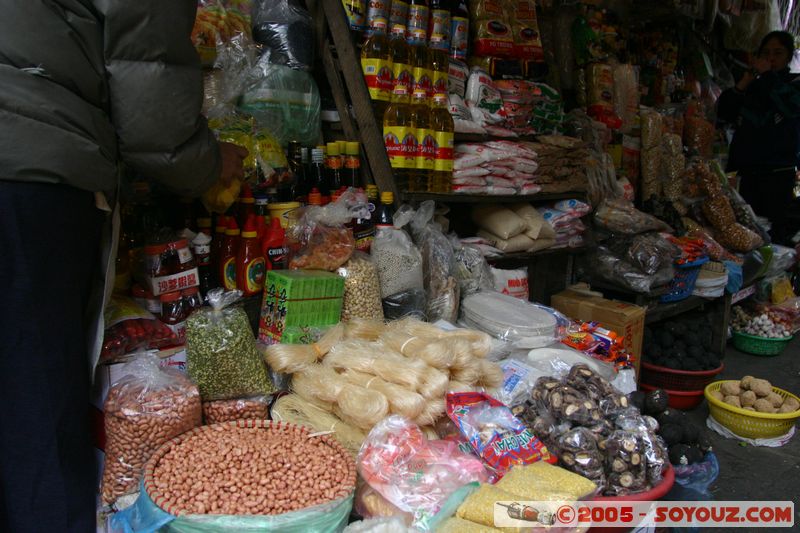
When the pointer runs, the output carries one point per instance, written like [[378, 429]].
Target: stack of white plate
[[509, 319]]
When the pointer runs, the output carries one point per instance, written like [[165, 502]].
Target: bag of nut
[[362, 289], [144, 409], [218, 411]]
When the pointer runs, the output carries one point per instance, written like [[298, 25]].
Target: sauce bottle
[[204, 225], [250, 265], [273, 246], [192, 301], [355, 10], [459, 31], [333, 168], [440, 65], [228, 252], [318, 181], [364, 228], [201, 245], [425, 150], [314, 197], [376, 65], [399, 136], [352, 166], [417, 26], [443, 134], [246, 204], [173, 315], [216, 240], [385, 215]]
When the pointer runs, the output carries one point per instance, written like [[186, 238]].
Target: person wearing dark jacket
[[764, 108], [86, 87]]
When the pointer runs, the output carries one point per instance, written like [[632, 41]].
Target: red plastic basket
[[677, 380], [678, 399]]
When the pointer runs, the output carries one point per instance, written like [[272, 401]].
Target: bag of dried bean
[[144, 409], [221, 353], [362, 288]]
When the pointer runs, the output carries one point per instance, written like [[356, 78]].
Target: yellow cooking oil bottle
[[376, 63], [400, 53], [399, 137], [425, 153], [441, 177]]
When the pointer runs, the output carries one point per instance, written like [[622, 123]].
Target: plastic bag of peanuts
[[217, 411], [147, 407], [362, 289]]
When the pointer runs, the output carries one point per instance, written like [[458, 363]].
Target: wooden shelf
[[491, 198]]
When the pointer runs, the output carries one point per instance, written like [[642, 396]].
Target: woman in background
[[764, 108]]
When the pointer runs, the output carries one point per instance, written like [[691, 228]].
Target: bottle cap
[[261, 199], [314, 197], [372, 191], [387, 197], [233, 228], [222, 223], [170, 296], [352, 148], [335, 195], [333, 149], [342, 147], [250, 229]]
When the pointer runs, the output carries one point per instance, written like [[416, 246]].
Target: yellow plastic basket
[[750, 424]]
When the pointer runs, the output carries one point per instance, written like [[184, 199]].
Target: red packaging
[[495, 435]]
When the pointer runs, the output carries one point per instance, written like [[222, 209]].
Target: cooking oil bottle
[[400, 53], [440, 64], [399, 137], [418, 14], [443, 133], [376, 64], [421, 116], [422, 71]]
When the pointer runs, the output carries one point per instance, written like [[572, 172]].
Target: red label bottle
[[250, 267], [227, 256]]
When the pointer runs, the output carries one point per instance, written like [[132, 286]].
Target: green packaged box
[[298, 299]]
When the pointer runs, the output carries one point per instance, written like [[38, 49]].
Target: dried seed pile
[[362, 290], [233, 470]]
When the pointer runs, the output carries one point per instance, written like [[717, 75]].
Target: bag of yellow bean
[[459, 525], [479, 506], [542, 481]]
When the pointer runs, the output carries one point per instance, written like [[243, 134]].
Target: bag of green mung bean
[[221, 353]]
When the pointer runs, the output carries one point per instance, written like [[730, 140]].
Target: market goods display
[[249, 467], [683, 344], [562, 163], [221, 353], [144, 409], [217, 411], [495, 167], [753, 394], [760, 326]]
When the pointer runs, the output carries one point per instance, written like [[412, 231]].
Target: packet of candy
[[496, 435]]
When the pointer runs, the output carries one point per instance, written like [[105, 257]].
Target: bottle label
[[402, 75], [417, 31], [398, 16], [426, 149], [203, 259], [423, 80], [334, 162], [254, 276], [276, 258], [184, 255], [439, 85], [352, 162], [443, 161], [229, 274], [377, 16], [355, 13], [401, 146], [378, 76], [440, 29], [459, 37], [364, 238]]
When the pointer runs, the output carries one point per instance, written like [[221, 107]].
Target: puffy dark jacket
[[88, 84], [767, 121]]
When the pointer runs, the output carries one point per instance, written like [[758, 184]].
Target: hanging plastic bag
[[284, 28], [471, 268], [620, 216], [399, 261], [130, 328], [437, 265], [413, 473], [317, 236], [221, 353], [693, 482], [145, 408]]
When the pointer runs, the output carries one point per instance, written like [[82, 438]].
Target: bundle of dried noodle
[[363, 357], [291, 358], [480, 342], [468, 373], [462, 353], [491, 375], [401, 400], [360, 328], [436, 353], [434, 410], [435, 384], [416, 328], [319, 384], [293, 408], [361, 407]]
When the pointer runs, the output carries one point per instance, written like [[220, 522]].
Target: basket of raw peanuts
[[252, 473]]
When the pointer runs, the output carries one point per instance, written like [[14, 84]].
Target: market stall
[[499, 271]]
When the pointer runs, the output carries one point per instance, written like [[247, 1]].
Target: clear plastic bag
[[317, 236], [399, 262], [620, 216], [221, 353], [437, 265], [471, 268], [413, 473], [144, 409], [650, 252], [285, 29], [625, 462], [130, 328], [693, 482], [408, 303], [524, 324], [578, 452], [217, 411], [362, 288], [611, 268]]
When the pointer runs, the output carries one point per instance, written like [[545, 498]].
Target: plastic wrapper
[[626, 95], [507, 318], [673, 164], [545, 482], [470, 268], [144, 409], [620, 216], [485, 423], [221, 353], [626, 463], [284, 28], [499, 221], [317, 236], [362, 288], [413, 473], [693, 482], [217, 411], [129, 328], [745, 215], [558, 360], [578, 452], [483, 99], [399, 262], [370, 504], [597, 389], [737, 238], [408, 303], [652, 162], [437, 265], [611, 268], [650, 252], [698, 135], [568, 404], [655, 449]]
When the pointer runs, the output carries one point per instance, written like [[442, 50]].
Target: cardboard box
[[622, 317]]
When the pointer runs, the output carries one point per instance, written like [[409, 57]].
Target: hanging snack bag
[[491, 32], [221, 353], [496, 435], [144, 409], [525, 29]]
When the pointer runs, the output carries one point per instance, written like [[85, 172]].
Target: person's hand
[[233, 156]]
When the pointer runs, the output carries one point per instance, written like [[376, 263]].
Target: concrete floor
[[750, 472]]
